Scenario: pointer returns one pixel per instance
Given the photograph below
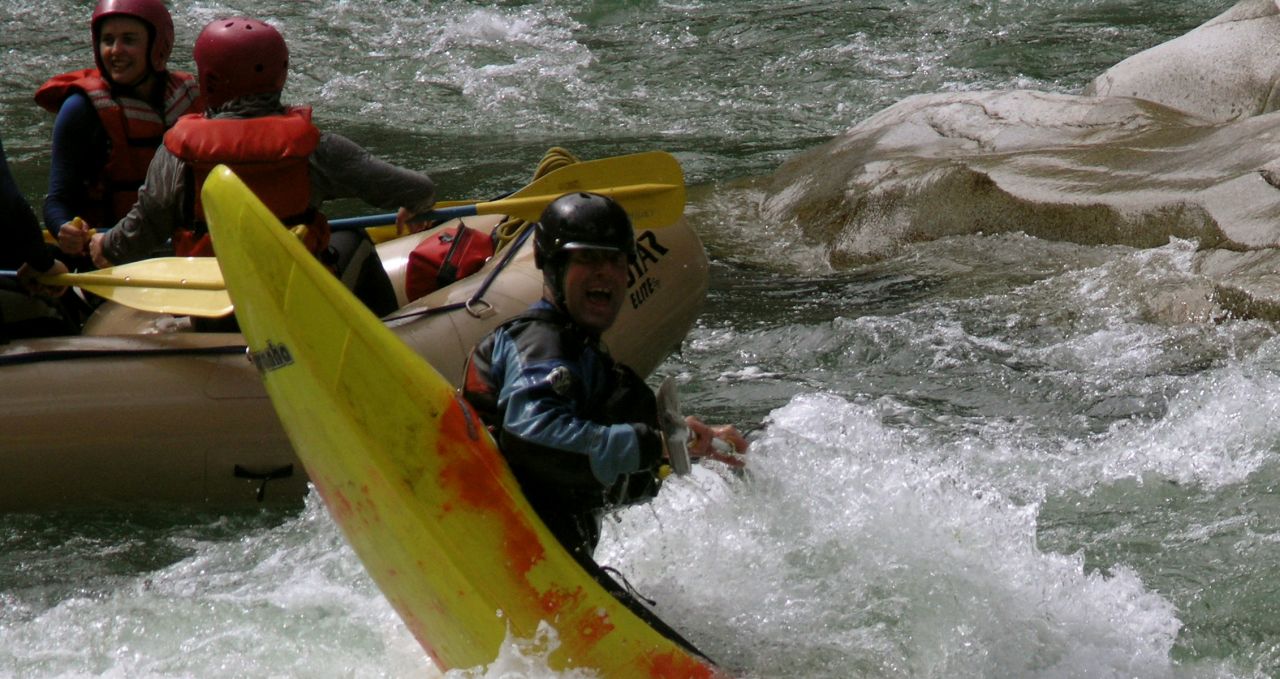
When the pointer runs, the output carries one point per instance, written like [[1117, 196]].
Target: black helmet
[[582, 221]]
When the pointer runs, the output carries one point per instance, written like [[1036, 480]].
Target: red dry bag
[[444, 257]]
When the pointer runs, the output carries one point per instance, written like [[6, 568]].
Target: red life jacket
[[134, 130], [268, 153]]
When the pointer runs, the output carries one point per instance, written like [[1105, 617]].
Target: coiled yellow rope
[[511, 228]]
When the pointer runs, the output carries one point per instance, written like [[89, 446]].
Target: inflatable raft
[[142, 409]]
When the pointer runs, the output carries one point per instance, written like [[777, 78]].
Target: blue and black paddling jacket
[[579, 430]]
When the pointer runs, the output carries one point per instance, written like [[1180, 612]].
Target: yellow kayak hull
[[408, 471]]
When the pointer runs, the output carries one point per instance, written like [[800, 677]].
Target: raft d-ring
[[479, 308]]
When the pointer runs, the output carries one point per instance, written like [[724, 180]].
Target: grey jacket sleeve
[[340, 168], [157, 212]]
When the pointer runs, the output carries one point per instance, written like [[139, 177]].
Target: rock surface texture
[[1179, 141]]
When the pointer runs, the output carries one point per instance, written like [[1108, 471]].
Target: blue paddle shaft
[[383, 220]]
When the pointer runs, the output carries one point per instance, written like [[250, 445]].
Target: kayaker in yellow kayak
[[579, 430]]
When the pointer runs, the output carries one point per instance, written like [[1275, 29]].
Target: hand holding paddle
[[722, 443], [688, 437], [73, 237], [31, 279]]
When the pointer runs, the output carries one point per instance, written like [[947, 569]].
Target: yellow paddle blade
[[182, 286], [649, 186], [203, 303]]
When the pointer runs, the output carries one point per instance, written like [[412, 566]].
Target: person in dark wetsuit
[[27, 308], [579, 430]]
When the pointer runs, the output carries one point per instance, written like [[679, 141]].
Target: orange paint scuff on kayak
[[680, 666], [479, 487]]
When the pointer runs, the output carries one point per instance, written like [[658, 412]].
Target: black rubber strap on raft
[[86, 354], [448, 272]]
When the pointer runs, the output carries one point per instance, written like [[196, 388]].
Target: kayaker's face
[[122, 44], [595, 283]]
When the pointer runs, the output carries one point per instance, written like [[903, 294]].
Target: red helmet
[[150, 12], [240, 56]]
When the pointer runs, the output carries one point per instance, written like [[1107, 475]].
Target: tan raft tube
[[140, 410]]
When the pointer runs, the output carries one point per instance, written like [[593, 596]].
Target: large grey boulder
[[1189, 151]]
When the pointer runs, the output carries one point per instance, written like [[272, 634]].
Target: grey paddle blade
[[673, 426]]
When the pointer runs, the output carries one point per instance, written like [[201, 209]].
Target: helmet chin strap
[[553, 278]]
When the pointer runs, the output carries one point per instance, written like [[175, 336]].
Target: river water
[[981, 457]]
